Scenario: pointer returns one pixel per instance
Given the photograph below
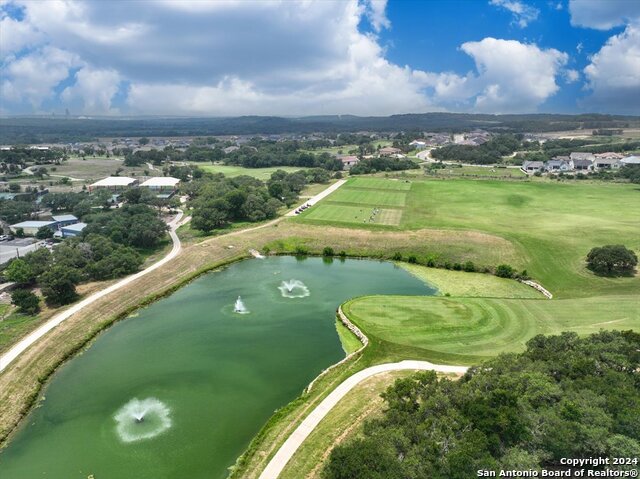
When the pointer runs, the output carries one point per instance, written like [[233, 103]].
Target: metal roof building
[[31, 227], [161, 183], [114, 183]]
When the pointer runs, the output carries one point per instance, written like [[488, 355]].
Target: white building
[[161, 183], [114, 183], [30, 228]]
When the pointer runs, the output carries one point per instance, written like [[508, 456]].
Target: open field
[[469, 330], [231, 171], [93, 169], [480, 172], [378, 184], [340, 213], [552, 225], [369, 197], [456, 283]]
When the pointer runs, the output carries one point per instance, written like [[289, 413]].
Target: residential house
[[418, 144], [631, 160], [558, 164], [610, 155], [581, 165], [607, 164], [582, 156], [530, 167], [389, 151], [348, 161], [230, 149]]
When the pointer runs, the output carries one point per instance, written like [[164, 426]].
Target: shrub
[[301, 251], [24, 299], [19, 271], [469, 267], [327, 251], [457, 266], [396, 256], [447, 265], [505, 271], [612, 260], [412, 259], [342, 254], [44, 233]]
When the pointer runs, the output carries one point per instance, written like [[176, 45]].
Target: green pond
[[180, 390]]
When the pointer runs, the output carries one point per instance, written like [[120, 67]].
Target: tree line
[[563, 397]]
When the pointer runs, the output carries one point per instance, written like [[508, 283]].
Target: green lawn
[[339, 213], [369, 197], [378, 184], [13, 325], [480, 172], [457, 283], [231, 171], [552, 225], [469, 330], [349, 341]]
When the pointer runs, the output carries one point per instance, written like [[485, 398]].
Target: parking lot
[[17, 247]]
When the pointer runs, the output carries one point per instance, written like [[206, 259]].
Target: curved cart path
[[32, 337], [297, 437]]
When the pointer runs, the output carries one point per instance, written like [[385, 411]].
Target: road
[[324, 193], [297, 437], [31, 338]]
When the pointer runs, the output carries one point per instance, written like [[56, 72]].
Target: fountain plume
[[294, 288], [239, 307]]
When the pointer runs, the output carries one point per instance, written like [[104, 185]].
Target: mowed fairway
[[369, 197], [363, 201], [469, 330], [338, 213]]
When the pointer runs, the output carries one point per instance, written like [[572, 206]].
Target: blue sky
[[366, 57]]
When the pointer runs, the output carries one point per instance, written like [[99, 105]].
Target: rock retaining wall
[[358, 333]]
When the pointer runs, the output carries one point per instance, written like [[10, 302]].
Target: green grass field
[[378, 184], [231, 171], [339, 213], [552, 225], [481, 172], [369, 197], [456, 283], [468, 330]]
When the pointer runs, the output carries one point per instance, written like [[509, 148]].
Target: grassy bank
[[470, 330]]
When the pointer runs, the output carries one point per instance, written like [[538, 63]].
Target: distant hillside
[[15, 130]]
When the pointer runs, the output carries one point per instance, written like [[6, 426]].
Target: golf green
[[181, 389]]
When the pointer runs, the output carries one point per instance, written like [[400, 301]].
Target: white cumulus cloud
[[237, 57], [613, 76], [523, 14], [603, 15]]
